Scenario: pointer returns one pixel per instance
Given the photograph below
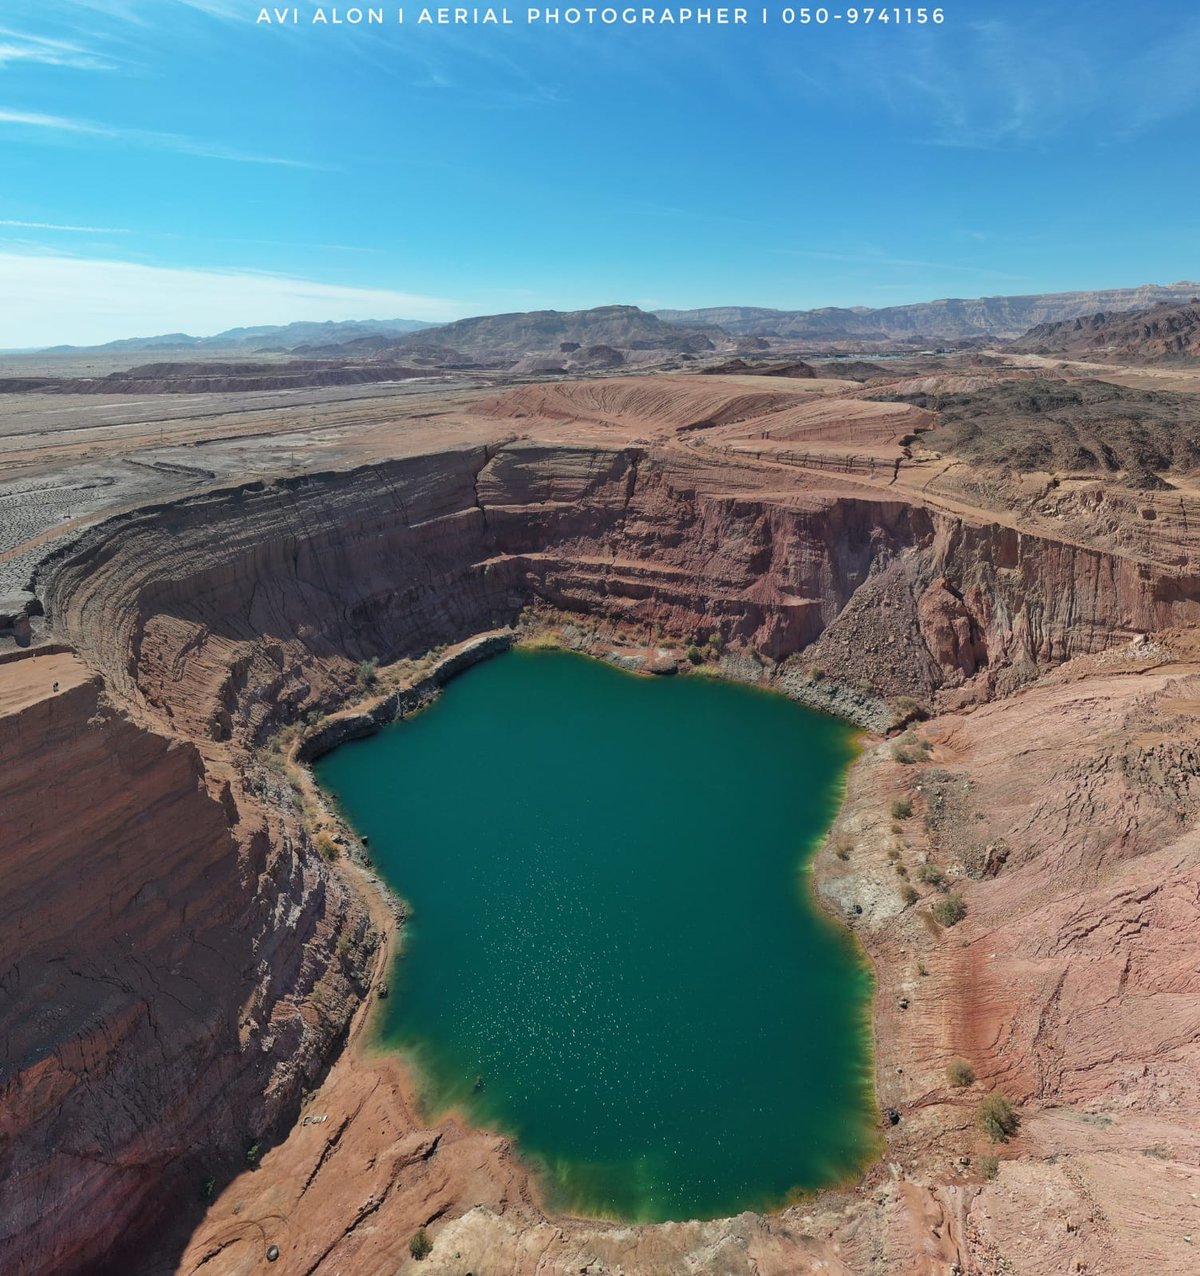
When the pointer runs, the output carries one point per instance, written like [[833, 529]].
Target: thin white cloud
[[18, 46], [231, 10], [85, 230], [53, 300], [35, 119], [144, 137]]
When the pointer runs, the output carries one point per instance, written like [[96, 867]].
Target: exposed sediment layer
[[228, 613], [163, 928], [190, 1017]]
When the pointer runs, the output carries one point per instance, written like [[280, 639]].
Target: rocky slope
[[165, 927], [1163, 333]]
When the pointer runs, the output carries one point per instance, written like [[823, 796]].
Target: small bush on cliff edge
[[420, 1246], [997, 1119], [367, 673], [902, 809], [931, 874], [949, 911], [694, 654], [959, 1073]]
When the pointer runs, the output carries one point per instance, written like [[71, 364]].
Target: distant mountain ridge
[[1160, 334], [537, 341], [545, 333], [947, 319], [534, 331], [267, 337]]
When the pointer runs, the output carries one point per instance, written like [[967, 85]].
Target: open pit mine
[[989, 564]]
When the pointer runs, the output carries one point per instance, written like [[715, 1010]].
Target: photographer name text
[[606, 15]]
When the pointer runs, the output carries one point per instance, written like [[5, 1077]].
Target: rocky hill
[[1046, 425], [949, 319], [1162, 333], [542, 341]]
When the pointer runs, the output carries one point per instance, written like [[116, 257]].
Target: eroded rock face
[[950, 631], [183, 1013], [162, 929], [227, 613]]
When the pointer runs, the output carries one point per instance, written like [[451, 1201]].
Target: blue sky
[[172, 164]]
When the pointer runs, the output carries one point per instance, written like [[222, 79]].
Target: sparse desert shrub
[[988, 1165], [997, 1119], [894, 853], [367, 673], [716, 642], [930, 873], [326, 846], [901, 869], [694, 654], [252, 1154], [904, 705], [959, 1073], [909, 749], [842, 850], [208, 1189], [816, 673], [949, 911], [908, 893], [902, 809], [421, 1246]]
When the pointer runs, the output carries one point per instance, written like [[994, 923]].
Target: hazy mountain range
[[627, 328], [259, 339], [951, 319]]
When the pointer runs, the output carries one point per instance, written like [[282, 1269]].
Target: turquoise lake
[[614, 954]]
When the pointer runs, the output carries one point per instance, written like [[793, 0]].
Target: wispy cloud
[[231, 10], [85, 230], [144, 137], [17, 46], [53, 299]]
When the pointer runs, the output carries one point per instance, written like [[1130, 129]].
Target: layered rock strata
[[218, 959]]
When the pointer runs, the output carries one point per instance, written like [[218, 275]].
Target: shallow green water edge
[[774, 1106]]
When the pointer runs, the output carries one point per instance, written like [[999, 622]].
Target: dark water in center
[[612, 929]]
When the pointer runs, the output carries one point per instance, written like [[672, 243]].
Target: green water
[[612, 929]]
